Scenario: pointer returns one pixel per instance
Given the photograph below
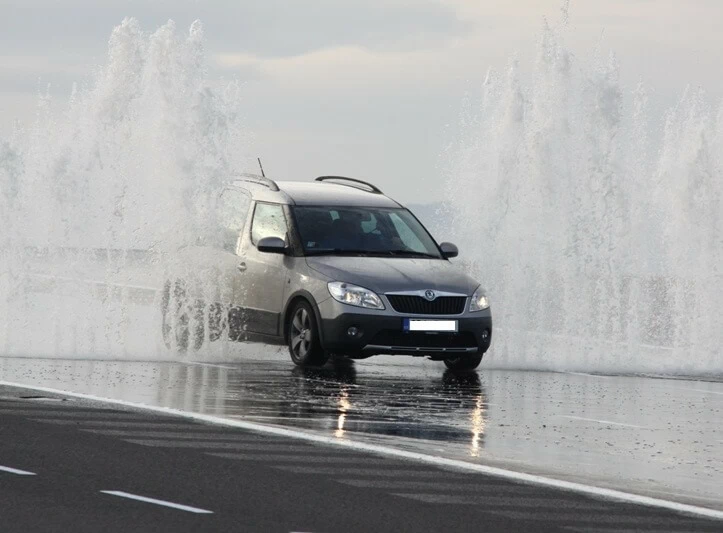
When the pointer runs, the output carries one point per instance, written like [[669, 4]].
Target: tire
[[217, 321], [182, 319], [464, 362], [303, 337]]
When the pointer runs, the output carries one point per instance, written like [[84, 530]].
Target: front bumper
[[382, 332]]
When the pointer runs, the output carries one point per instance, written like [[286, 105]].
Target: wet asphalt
[[72, 465], [655, 437]]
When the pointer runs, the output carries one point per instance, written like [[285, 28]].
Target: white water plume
[[93, 193], [600, 239]]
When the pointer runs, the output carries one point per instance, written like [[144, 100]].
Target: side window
[[233, 209], [407, 236], [269, 221]]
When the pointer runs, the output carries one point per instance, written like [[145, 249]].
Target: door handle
[[241, 267]]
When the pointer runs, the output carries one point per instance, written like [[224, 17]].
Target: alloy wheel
[[301, 333]]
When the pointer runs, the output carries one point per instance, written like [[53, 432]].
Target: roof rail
[[259, 180], [373, 188]]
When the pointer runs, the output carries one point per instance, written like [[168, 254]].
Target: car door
[[209, 265], [233, 209], [265, 273]]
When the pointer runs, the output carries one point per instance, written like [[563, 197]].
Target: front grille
[[416, 305], [420, 339]]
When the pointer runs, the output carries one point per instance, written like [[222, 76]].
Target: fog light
[[352, 331], [485, 335]]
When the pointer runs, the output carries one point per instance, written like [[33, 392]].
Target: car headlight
[[479, 301], [353, 295]]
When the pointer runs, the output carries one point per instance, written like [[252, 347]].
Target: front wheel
[[465, 362], [303, 337]]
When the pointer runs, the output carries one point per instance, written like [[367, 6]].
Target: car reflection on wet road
[[650, 436]]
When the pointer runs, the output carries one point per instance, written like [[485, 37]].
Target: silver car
[[326, 267]]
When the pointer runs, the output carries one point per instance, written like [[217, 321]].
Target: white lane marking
[[362, 471], [467, 486], [298, 459], [506, 501], [600, 492], [156, 502], [191, 434], [96, 282], [635, 522], [300, 418], [140, 426], [608, 422], [211, 364], [701, 390], [464, 485], [685, 389], [16, 471], [588, 375], [626, 530], [43, 413], [258, 446]]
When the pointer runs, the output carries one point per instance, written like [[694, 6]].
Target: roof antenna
[[261, 167]]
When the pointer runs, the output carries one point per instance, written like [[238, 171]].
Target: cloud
[[359, 86], [268, 28], [35, 73]]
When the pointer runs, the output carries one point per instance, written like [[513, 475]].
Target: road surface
[[76, 465]]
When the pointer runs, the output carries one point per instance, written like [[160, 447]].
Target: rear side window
[[269, 221], [233, 210]]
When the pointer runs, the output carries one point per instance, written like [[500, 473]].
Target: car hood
[[391, 274]]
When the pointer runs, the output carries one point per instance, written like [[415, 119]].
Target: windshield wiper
[[337, 251], [412, 253], [365, 253]]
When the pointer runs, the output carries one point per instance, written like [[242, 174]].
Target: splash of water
[[599, 237], [91, 194]]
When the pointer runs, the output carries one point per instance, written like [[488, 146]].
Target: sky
[[364, 88]]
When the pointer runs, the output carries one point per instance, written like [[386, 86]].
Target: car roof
[[318, 194]]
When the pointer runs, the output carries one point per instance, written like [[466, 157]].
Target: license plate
[[411, 324]]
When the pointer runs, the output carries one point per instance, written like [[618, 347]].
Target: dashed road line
[[164, 503], [16, 471], [607, 422]]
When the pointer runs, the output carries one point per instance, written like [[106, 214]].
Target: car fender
[[308, 297]]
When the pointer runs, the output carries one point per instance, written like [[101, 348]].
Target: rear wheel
[[303, 337], [182, 318], [217, 321], [465, 362]]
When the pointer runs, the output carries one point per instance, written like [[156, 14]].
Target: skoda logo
[[430, 295]]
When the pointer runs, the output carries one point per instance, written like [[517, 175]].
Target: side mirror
[[272, 245], [449, 250]]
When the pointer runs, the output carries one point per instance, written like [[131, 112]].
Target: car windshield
[[363, 231]]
